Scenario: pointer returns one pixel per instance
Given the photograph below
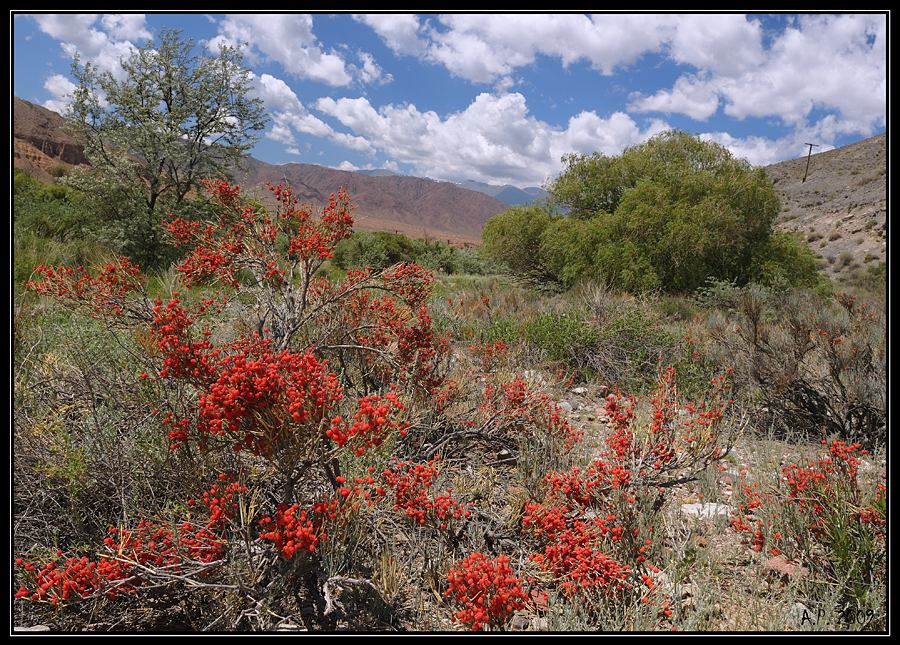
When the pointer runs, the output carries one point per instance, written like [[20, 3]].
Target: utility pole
[[811, 146]]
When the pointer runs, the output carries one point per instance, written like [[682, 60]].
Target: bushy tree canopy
[[175, 118], [666, 214]]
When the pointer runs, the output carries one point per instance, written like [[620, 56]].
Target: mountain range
[[384, 201], [835, 199]]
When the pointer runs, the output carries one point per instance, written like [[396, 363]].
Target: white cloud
[[494, 139], [371, 72], [721, 43], [289, 115], [287, 39], [589, 133], [399, 31], [483, 47], [286, 110], [692, 95], [60, 87], [825, 62], [127, 26], [832, 63], [77, 34]]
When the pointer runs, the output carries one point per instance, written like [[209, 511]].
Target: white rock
[[706, 511]]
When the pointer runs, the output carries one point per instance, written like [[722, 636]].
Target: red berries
[[487, 589]]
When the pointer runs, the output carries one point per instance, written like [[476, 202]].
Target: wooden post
[[811, 146]]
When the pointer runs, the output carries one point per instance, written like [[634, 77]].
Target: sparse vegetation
[[473, 454]]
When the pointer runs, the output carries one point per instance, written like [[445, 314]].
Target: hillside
[[410, 205], [840, 208], [413, 206], [39, 142]]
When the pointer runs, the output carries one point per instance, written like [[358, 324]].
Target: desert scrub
[[812, 364]]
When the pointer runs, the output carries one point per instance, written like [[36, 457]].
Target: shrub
[[265, 392], [818, 365], [665, 214], [820, 505]]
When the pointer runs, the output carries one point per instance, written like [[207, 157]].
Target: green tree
[[666, 214], [513, 238], [175, 118]]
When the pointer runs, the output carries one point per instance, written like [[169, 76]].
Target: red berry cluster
[[106, 294], [371, 423], [488, 590], [410, 483], [291, 532], [824, 492], [131, 552]]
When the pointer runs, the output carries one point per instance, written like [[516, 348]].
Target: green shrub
[[375, 250], [665, 215]]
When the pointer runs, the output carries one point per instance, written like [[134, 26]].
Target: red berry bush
[[364, 450], [487, 589]]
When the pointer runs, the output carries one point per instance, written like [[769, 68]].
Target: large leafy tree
[[172, 118], [666, 214]]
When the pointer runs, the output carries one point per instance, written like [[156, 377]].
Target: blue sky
[[499, 98]]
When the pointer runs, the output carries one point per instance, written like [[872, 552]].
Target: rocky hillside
[[840, 208], [39, 142]]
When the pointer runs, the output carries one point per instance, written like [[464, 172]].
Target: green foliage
[[665, 215], [55, 211], [513, 238], [374, 250], [561, 337], [22, 182], [175, 119], [380, 250]]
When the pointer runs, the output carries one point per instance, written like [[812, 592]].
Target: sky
[[500, 98]]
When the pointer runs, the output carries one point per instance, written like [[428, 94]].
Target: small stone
[[779, 570], [290, 627], [802, 617], [520, 623], [706, 511], [539, 624]]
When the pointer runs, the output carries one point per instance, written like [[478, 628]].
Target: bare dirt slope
[[841, 208]]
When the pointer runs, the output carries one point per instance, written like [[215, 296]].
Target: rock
[[800, 616], [706, 511], [290, 627], [779, 571], [538, 600], [520, 623], [539, 624]]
